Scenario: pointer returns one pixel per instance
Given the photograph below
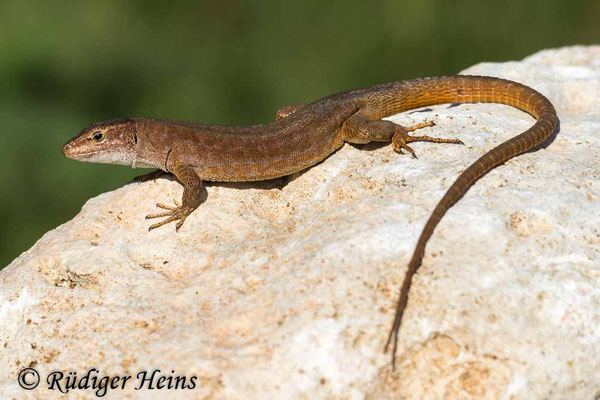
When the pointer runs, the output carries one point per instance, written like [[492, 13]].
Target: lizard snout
[[66, 149], [69, 150], [77, 149]]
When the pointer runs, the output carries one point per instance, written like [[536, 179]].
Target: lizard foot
[[177, 213], [150, 176], [401, 138]]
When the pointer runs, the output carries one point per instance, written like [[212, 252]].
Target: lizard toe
[[179, 214]]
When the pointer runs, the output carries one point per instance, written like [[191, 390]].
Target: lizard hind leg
[[401, 138], [360, 129]]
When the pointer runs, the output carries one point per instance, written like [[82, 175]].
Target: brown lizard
[[302, 136]]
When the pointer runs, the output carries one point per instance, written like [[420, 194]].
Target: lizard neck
[[153, 143]]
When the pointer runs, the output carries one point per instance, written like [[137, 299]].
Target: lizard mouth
[[76, 154], [104, 156], [87, 154]]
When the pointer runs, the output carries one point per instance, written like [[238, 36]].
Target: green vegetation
[[65, 64]]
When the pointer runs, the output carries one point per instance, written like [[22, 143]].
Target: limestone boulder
[[287, 289]]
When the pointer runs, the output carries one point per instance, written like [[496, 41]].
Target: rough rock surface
[[271, 292]]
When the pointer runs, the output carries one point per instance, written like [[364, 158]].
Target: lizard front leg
[[359, 129], [192, 198]]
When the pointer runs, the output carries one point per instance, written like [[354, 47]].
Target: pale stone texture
[[289, 293]]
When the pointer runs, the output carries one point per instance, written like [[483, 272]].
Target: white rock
[[268, 293]]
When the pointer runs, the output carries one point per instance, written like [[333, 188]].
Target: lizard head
[[111, 142]]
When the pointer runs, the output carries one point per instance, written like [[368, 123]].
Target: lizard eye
[[98, 136]]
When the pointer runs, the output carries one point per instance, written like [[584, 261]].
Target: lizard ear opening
[[135, 138]]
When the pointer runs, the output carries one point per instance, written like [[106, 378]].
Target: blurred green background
[[64, 64]]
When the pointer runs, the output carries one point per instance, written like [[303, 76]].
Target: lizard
[[303, 135]]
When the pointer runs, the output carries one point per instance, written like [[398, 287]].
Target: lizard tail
[[474, 89]]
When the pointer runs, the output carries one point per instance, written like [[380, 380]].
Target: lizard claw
[[400, 140], [398, 145], [177, 213], [170, 208], [425, 124]]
